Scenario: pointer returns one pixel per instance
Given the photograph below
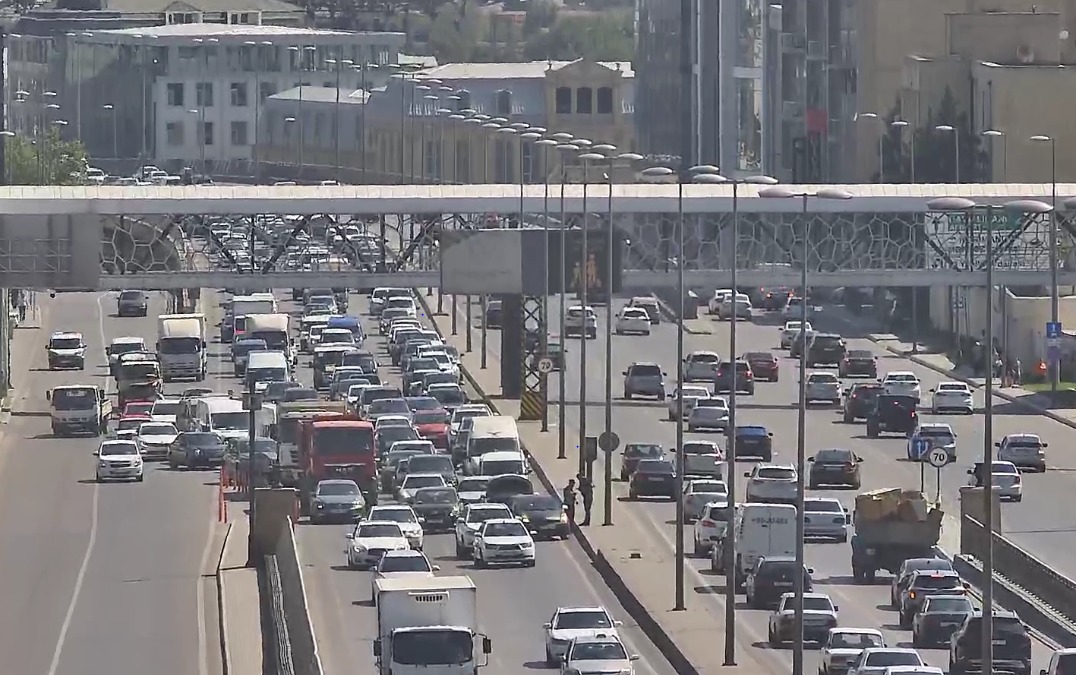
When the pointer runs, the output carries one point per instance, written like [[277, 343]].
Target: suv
[[860, 362], [859, 400], [581, 321], [132, 303], [745, 378], [66, 350], [633, 452], [825, 348], [772, 577], [644, 379], [754, 441], [1011, 644], [494, 314], [892, 413], [923, 584], [653, 478]]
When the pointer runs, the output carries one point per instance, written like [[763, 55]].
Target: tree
[[935, 152], [599, 38], [48, 160]]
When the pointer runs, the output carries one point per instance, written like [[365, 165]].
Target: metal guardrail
[[277, 641]]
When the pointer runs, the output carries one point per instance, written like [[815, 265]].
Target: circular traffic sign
[[938, 458], [608, 441], [545, 365]]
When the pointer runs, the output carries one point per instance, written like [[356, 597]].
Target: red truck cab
[[339, 448]]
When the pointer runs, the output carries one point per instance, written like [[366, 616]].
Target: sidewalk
[[633, 559], [26, 348], [240, 609]]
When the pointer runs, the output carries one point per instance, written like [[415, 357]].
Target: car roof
[[598, 639], [66, 334], [570, 610], [771, 465], [503, 521], [936, 425], [336, 481], [902, 373], [777, 558], [936, 573], [379, 522], [857, 631], [128, 340], [392, 507], [115, 441], [403, 553]]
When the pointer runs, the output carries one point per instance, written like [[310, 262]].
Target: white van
[[223, 416], [500, 462], [496, 433], [264, 367], [763, 530]]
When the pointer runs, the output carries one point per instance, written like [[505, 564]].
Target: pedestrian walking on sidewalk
[[586, 491], [569, 497]]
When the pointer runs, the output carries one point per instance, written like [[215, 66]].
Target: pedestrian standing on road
[[22, 307], [586, 491], [569, 497]]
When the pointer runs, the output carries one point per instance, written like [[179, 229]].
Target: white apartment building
[[203, 85]]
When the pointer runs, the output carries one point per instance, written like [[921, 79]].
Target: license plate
[[783, 584], [656, 479], [998, 643]]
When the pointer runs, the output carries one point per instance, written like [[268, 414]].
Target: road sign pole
[[937, 487], [922, 477]]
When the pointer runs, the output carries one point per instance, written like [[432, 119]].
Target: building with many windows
[[190, 94], [456, 123]]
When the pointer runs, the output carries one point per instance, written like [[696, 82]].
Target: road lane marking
[[92, 541]]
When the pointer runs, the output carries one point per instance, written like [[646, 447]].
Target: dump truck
[[339, 447], [892, 525], [285, 432]]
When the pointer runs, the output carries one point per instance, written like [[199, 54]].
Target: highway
[[1035, 523], [513, 602], [100, 578]]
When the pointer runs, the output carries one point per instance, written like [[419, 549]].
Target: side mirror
[[349, 535], [618, 623], [487, 645], [858, 458], [96, 453], [971, 472], [810, 459], [633, 657], [1045, 445], [998, 445], [810, 570], [836, 608], [48, 395], [747, 474], [625, 372], [435, 568], [377, 647]]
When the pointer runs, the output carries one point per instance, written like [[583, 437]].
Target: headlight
[[525, 518], [564, 517], [319, 504], [358, 548]]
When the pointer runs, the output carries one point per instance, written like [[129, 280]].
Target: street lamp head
[[491, 125], [421, 87], [108, 106], [430, 97], [704, 168], [562, 136], [832, 193], [7, 134], [539, 130], [506, 130], [709, 178], [759, 180], [950, 204], [546, 143], [530, 136], [657, 172], [1041, 138], [500, 120], [60, 123], [472, 120], [289, 119], [604, 147], [456, 118], [50, 94], [53, 106], [899, 123], [786, 192], [1033, 206], [582, 142], [519, 126], [629, 156], [482, 117], [568, 147], [945, 127], [993, 133], [591, 157]]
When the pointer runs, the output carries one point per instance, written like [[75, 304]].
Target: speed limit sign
[[938, 458], [545, 365]]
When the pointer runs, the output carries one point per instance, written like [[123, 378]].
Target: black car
[[745, 378], [772, 299], [858, 363], [437, 506], [494, 313], [835, 466], [543, 515], [773, 576], [274, 392], [132, 303], [196, 449], [754, 441], [633, 452], [859, 400], [825, 349], [653, 478], [895, 414], [939, 618], [1011, 644], [300, 394]]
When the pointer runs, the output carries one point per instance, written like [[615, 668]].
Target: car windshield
[[130, 424], [126, 348], [435, 495], [859, 354], [394, 515], [430, 417], [430, 464], [637, 450], [388, 406], [477, 484], [710, 487], [160, 429], [300, 394], [818, 604], [826, 341], [711, 403], [854, 640], [776, 473], [759, 356], [484, 514], [822, 378], [139, 370], [405, 563], [242, 347], [1025, 442], [705, 358], [65, 343], [582, 619], [699, 448], [536, 503], [833, 456], [822, 506], [166, 408], [598, 651], [337, 489], [935, 581], [230, 421], [344, 440], [413, 482], [201, 439], [656, 467], [948, 605], [74, 398], [379, 530], [645, 370], [752, 431], [447, 395], [902, 378], [119, 449], [886, 659], [505, 530]]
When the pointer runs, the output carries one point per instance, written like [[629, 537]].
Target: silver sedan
[[823, 387], [825, 519], [699, 493]]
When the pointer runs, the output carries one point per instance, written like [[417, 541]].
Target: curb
[[222, 613], [642, 616], [975, 385]]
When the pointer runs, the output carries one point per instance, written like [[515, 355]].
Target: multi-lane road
[[1034, 523], [513, 603], [103, 578]]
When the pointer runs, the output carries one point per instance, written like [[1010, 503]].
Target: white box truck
[[181, 346], [428, 626]]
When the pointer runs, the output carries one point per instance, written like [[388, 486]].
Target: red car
[[433, 426], [763, 364]]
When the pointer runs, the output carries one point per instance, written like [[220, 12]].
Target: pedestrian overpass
[[885, 235]]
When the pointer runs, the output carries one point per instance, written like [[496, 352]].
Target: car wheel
[[140, 477], [478, 562], [627, 395], [97, 477]]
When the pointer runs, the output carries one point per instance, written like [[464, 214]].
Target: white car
[[930, 435], [875, 660], [844, 645], [632, 321], [123, 345], [400, 564], [741, 307], [403, 516], [581, 321], [711, 526], [370, 540], [413, 482], [719, 297], [953, 397], [691, 396], [901, 383], [470, 522], [165, 410], [154, 438], [1024, 450], [1007, 481], [823, 386], [702, 491], [386, 421], [701, 366], [503, 541], [794, 308], [570, 623], [773, 483], [463, 412], [819, 616], [790, 330], [119, 460], [709, 414], [598, 654]]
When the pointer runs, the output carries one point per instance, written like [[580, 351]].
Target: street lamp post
[[545, 144], [562, 430], [881, 136], [583, 279], [337, 65], [950, 129], [115, 130], [995, 134], [1055, 370], [781, 192], [900, 126]]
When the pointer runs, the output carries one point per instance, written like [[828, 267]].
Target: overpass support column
[[521, 350], [512, 345], [5, 342]]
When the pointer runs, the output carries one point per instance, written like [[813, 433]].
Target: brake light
[[709, 523], [911, 595]]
